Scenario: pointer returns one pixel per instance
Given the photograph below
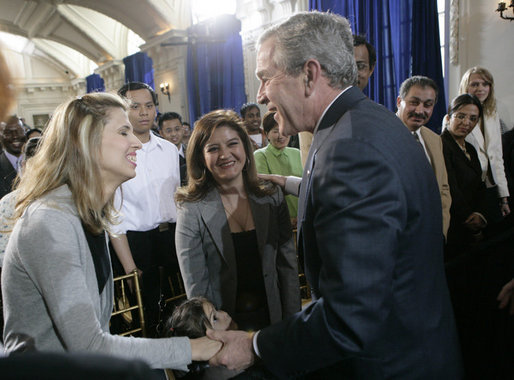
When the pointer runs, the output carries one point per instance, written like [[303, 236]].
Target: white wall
[[486, 40], [40, 85]]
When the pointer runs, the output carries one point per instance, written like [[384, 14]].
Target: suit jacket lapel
[[6, 167], [213, 216], [342, 103], [429, 145]]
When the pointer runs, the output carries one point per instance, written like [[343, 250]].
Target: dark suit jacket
[[183, 170], [466, 186], [208, 260], [7, 175], [370, 229]]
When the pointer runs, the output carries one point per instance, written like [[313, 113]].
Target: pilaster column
[[113, 74], [169, 55]]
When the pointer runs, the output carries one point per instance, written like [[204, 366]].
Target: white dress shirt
[[148, 197], [422, 142]]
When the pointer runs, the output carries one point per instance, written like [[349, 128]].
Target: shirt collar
[[276, 152], [326, 109], [154, 142]]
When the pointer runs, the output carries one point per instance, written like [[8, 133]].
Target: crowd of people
[[399, 228]]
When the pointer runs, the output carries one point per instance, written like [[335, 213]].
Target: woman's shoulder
[[193, 204], [273, 194], [293, 150], [261, 151], [55, 207]]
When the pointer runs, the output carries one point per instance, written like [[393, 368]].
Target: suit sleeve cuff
[[292, 186], [254, 343]]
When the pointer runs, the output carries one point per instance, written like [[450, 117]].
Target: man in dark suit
[[369, 225], [12, 138]]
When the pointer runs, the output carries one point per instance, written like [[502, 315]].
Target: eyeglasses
[[463, 116]]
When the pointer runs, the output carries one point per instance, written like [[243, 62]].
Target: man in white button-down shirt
[[145, 236]]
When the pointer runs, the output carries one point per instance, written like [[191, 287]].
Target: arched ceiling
[[79, 34]]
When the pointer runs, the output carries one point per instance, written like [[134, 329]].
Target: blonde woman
[[57, 279], [486, 138]]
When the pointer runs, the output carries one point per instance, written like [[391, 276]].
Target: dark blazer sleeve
[[7, 175], [287, 263], [358, 213]]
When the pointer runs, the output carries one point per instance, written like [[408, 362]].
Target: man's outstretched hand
[[237, 352]]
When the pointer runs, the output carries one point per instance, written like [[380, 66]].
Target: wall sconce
[[502, 7], [165, 89]]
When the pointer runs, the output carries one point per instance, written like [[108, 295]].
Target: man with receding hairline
[[415, 103], [368, 220]]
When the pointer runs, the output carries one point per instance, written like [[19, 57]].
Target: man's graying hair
[[417, 80], [325, 37]]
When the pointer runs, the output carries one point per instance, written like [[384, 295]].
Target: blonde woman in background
[[486, 138]]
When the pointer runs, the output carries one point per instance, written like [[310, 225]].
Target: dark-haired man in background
[[170, 127], [12, 137], [416, 102], [365, 57]]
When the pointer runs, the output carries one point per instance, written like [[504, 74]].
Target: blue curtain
[[139, 67], [405, 34], [215, 76], [427, 52], [94, 83]]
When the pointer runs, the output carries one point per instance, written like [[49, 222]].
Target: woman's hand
[[202, 349], [504, 206], [506, 295], [278, 180]]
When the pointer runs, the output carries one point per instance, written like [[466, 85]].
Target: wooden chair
[[177, 288], [128, 304]]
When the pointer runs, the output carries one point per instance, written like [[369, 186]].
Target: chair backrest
[[128, 305]]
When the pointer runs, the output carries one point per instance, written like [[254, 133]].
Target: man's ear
[[398, 102], [371, 70], [312, 74]]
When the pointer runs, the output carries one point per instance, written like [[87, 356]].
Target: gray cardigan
[[208, 260], [51, 300]]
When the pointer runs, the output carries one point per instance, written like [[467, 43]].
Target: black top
[[251, 304], [98, 247]]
